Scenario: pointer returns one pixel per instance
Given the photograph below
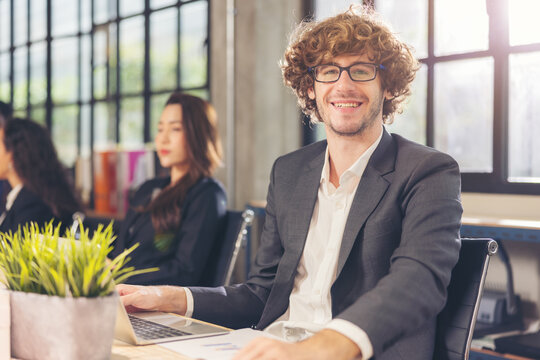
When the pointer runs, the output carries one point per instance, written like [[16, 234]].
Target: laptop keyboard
[[149, 330]]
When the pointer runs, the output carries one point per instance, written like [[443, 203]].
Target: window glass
[[104, 125], [130, 7], [164, 49], [64, 17], [460, 26], [157, 104], [20, 84], [132, 122], [20, 23], [64, 70], [103, 10], [523, 21], [85, 131], [412, 122], [38, 73], [86, 15], [19, 113], [132, 54], [38, 20], [100, 63], [193, 54], [86, 69], [112, 43], [4, 77], [463, 101], [64, 133], [5, 24], [409, 19], [38, 114], [156, 4], [524, 117]]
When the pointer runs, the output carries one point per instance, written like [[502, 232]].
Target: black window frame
[[499, 50], [116, 97]]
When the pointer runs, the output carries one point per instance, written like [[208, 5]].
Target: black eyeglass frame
[[312, 70]]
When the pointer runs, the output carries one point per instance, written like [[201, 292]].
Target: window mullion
[[430, 120], [48, 101], [499, 47]]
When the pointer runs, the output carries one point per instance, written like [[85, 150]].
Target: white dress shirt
[[310, 302]]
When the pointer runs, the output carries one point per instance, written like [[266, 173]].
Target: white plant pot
[[50, 327]]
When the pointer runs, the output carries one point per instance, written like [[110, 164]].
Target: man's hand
[[153, 298], [326, 344]]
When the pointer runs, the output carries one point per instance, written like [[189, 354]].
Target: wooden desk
[[124, 351]]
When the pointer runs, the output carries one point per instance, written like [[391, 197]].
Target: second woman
[[178, 219]]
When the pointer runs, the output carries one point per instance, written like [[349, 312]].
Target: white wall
[[264, 113]]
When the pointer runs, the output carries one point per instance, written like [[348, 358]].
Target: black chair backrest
[[455, 323], [221, 263]]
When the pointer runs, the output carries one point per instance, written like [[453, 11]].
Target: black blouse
[[27, 207], [181, 256]]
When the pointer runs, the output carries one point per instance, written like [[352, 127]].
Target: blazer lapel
[[298, 220], [369, 193], [302, 204]]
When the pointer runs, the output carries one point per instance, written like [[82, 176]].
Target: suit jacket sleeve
[[241, 305], [413, 291]]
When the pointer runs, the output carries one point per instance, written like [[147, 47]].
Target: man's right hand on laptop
[[153, 298]]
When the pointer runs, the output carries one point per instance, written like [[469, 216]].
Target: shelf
[[501, 229], [477, 354]]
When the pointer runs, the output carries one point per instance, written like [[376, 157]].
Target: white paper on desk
[[221, 347]]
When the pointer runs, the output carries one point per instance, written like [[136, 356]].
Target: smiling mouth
[[347, 104]]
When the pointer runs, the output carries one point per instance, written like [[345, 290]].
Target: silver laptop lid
[[155, 327]]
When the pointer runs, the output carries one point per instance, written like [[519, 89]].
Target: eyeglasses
[[357, 72]]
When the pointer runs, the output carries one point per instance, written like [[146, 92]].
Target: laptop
[[155, 327]]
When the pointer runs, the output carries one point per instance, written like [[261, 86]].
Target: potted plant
[[62, 291]]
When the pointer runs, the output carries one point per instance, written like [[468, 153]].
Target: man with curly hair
[[361, 230]]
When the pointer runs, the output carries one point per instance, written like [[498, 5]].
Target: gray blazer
[[400, 243]]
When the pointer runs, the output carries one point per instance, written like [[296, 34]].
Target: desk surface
[[124, 351], [501, 229], [506, 223]]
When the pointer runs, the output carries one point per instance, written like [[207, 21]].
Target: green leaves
[[40, 261]]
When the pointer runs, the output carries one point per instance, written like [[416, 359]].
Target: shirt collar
[[356, 169], [10, 198]]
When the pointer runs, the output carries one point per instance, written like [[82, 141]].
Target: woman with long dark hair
[[40, 190], [178, 219]]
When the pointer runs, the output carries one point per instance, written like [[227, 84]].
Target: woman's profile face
[[6, 158], [170, 139]]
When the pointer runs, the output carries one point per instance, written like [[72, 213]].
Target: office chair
[[91, 224], [222, 262], [455, 323]]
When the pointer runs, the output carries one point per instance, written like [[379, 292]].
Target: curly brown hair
[[359, 30]]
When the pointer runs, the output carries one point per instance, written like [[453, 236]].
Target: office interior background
[[97, 74]]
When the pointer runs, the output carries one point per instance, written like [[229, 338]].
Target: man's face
[[349, 107]]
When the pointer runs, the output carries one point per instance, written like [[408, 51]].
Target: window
[[102, 75], [475, 94]]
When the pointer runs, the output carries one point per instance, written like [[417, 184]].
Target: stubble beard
[[368, 120]]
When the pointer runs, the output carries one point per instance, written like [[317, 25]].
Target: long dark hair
[[36, 163], [204, 154]]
